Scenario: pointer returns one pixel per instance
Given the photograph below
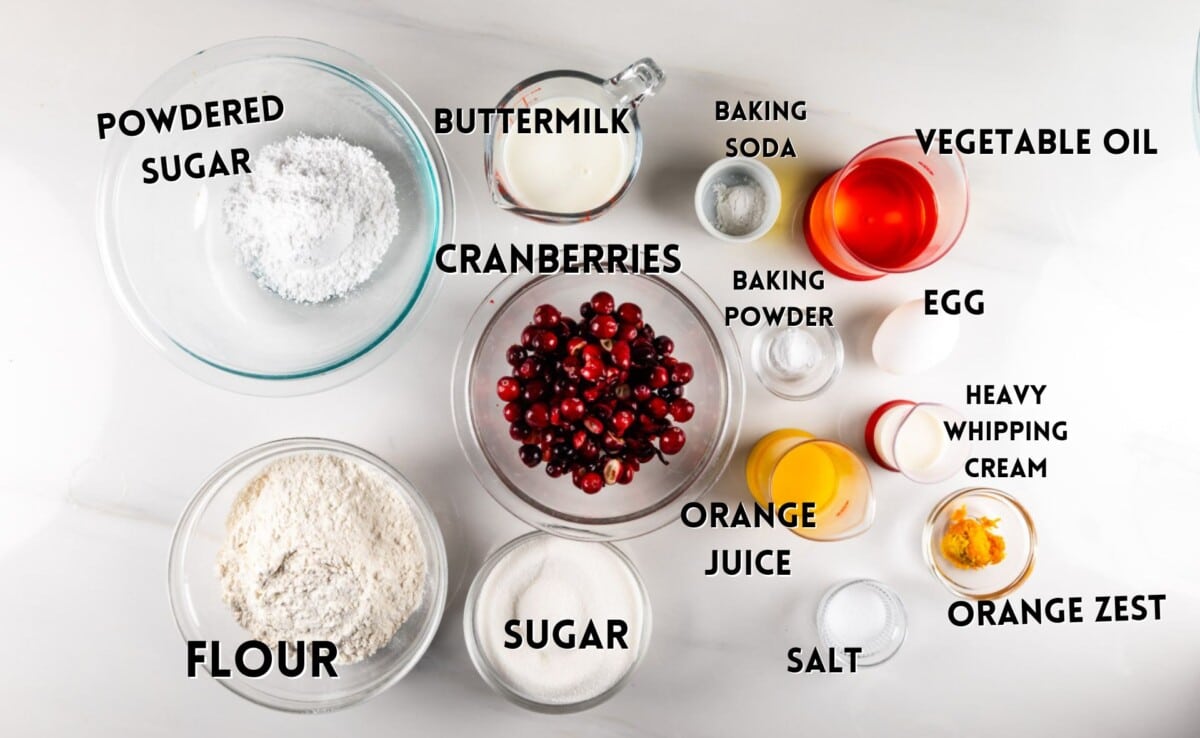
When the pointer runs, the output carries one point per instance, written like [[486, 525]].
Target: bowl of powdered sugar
[[321, 547], [269, 214]]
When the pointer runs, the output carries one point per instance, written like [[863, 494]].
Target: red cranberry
[[533, 389], [586, 310], [642, 352], [664, 345], [593, 425], [517, 431], [538, 415], [621, 355], [546, 316], [630, 313], [508, 388], [682, 410], [527, 336], [626, 332], [642, 392], [672, 440], [554, 471], [513, 412], [591, 483], [603, 303], [544, 342], [657, 407], [579, 439], [572, 409], [612, 443], [682, 373], [621, 420], [592, 371], [575, 344], [529, 368], [603, 326], [515, 355], [659, 377], [530, 455], [592, 352]]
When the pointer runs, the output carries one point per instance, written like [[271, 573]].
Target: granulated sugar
[[553, 579], [314, 219]]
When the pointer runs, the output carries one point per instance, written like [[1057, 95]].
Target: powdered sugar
[[314, 219], [320, 547]]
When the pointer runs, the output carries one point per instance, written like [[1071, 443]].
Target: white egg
[[909, 341]]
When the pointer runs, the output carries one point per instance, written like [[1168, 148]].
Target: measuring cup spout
[[636, 82]]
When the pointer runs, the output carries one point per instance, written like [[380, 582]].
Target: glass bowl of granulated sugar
[[269, 212], [307, 575]]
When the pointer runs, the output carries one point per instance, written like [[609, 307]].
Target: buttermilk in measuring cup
[[568, 172]]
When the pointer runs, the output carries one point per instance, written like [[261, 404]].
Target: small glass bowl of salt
[[797, 362], [738, 199]]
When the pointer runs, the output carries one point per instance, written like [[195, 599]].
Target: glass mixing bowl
[[173, 269], [201, 615], [675, 306]]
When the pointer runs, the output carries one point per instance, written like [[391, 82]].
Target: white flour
[[314, 218], [319, 547]]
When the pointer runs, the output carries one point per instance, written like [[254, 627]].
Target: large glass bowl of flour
[[173, 265], [196, 589]]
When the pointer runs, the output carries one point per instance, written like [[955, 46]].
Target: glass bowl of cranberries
[[595, 406]]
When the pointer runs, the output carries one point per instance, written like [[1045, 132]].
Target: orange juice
[[790, 465]]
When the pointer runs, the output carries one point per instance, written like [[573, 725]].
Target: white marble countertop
[[1090, 268]]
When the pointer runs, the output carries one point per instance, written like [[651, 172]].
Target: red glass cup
[[893, 208]]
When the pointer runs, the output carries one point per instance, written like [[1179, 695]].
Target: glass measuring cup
[[791, 465], [892, 208], [591, 171]]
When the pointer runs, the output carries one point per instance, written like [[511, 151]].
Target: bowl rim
[[493, 679], [437, 577], [929, 539], [509, 495], [394, 101]]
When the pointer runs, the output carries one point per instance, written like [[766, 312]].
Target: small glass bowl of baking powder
[[163, 215], [738, 199], [195, 588]]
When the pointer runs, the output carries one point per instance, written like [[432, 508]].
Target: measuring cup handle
[[636, 82]]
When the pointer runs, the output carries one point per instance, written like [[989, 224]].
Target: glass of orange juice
[[792, 465]]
